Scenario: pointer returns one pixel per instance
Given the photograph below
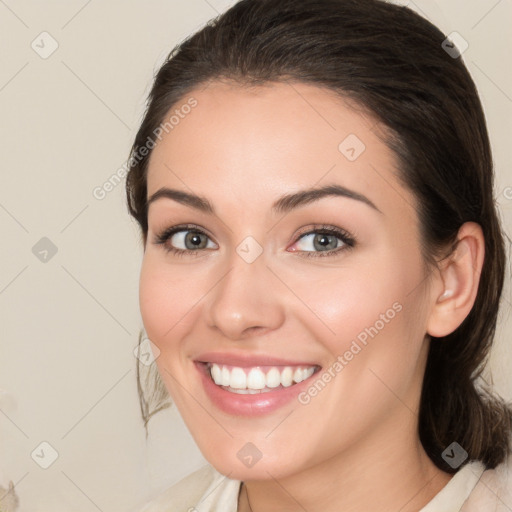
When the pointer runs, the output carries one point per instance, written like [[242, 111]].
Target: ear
[[455, 288]]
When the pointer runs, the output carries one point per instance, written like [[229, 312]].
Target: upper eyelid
[[160, 238], [182, 227], [314, 229], [339, 232], [323, 227]]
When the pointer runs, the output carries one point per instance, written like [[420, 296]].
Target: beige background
[[69, 325]]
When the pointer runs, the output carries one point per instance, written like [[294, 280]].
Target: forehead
[[257, 142]]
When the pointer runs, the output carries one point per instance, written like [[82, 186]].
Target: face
[[283, 260]]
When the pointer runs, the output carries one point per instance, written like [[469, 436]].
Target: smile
[[243, 385], [254, 380]]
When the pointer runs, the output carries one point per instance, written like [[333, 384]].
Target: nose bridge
[[245, 297]]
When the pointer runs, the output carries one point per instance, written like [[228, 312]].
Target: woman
[[323, 262]]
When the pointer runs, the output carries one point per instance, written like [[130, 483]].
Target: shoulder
[[493, 491], [205, 490]]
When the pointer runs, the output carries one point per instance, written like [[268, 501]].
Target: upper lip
[[248, 360]]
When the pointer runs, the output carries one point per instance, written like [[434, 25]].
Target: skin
[[242, 149]]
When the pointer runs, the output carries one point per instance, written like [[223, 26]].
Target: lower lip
[[249, 405]]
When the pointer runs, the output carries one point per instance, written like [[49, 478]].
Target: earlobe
[[459, 278]]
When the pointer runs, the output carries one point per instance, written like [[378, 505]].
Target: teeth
[[225, 377], [287, 377], [256, 381], [273, 378], [216, 373], [238, 379]]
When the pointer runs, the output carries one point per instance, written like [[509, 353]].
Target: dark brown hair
[[391, 62]]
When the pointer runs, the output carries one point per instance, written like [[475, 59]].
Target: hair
[[390, 62]]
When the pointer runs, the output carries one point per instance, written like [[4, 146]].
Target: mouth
[[257, 379], [253, 386]]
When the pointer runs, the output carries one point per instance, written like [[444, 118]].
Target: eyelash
[[166, 234], [319, 229], [322, 229]]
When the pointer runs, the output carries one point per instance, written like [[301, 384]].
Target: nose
[[247, 300]]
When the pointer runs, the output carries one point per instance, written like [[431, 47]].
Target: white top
[[471, 489]]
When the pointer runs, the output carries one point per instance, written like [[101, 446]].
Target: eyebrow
[[284, 204], [199, 203], [303, 197]]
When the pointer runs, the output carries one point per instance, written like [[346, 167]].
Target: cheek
[[378, 319], [368, 316], [343, 304], [371, 332], [152, 301], [166, 300]]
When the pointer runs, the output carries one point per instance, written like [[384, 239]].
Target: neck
[[372, 475]]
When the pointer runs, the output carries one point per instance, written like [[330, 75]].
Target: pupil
[[323, 241], [195, 240]]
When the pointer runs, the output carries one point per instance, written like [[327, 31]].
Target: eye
[[319, 241], [184, 239], [189, 240], [323, 241]]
